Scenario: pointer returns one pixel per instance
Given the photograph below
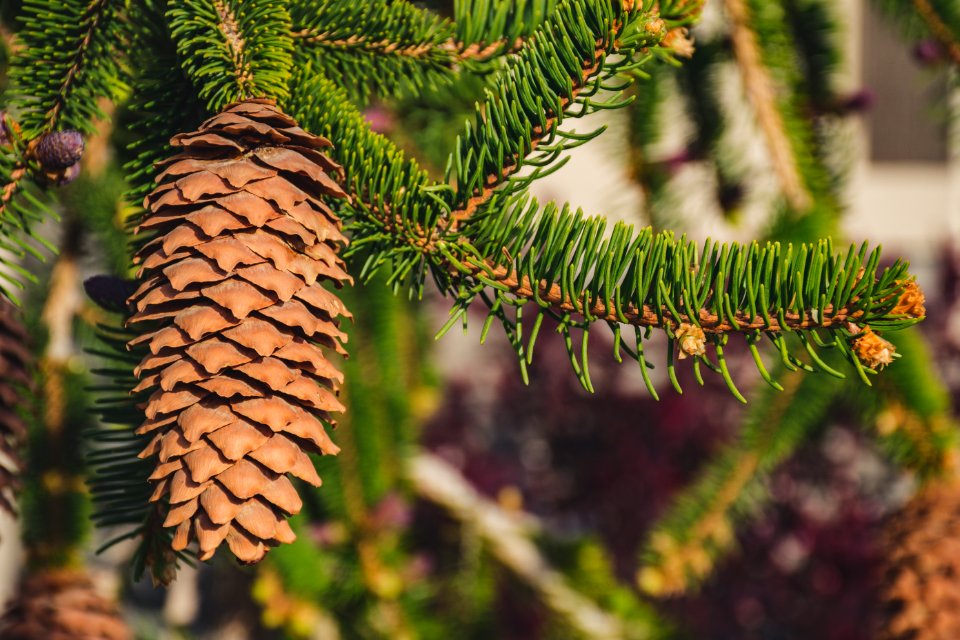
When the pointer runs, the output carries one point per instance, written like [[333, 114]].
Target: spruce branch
[[390, 48], [485, 30], [22, 207], [483, 241], [762, 94], [162, 99], [119, 482], [233, 49], [69, 59]]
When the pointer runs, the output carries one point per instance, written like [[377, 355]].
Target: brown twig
[[939, 28], [236, 44], [762, 95], [451, 49], [97, 9], [647, 316], [539, 133], [508, 538], [10, 189]]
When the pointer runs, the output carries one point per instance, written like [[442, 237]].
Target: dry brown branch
[[508, 538], [762, 95]]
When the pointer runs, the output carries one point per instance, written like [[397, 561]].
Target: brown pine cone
[[14, 358], [232, 288], [920, 591], [61, 604]]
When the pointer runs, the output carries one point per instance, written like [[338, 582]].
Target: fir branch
[[521, 287], [762, 95], [69, 59], [22, 207], [233, 49], [119, 482], [585, 275], [569, 60], [390, 48], [939, 28], [489, 29], [581, 275]]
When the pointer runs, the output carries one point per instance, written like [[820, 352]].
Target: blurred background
[[467, 503]]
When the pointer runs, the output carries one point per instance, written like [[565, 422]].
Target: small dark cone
[[920, 592], [61, 604], [237, 325], [14, 379], [60, 149]]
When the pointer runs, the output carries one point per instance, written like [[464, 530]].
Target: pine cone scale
[[920, 590], [62, 604], [243, 388]]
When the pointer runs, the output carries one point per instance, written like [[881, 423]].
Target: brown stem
[[237, 45], [939, 28], [508, 538], [762, 95], [539, 133], [646, 316], [455, 51], [13, 184], [96, 7]]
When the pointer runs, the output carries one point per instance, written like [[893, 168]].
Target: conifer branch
[[69, 60], [938, 27], [97, 13], [762, 95], [648, 316], [233, 49]]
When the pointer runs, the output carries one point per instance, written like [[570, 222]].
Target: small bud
[[678, 39], [911, 302], [872, 350], [60, 149], [929, 52], [692, 340]]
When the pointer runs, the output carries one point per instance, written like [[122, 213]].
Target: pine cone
[[232, 283], [61, 604], [14, 358], [920, 592]]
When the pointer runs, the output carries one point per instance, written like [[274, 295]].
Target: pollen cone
[[13, 380], [237, 324], [920, 592], [61, 604]]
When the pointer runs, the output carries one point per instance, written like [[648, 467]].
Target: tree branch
[[521, 287], [762, 94], [456, 51], [508, 539], [97, 12], [236, 43]]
